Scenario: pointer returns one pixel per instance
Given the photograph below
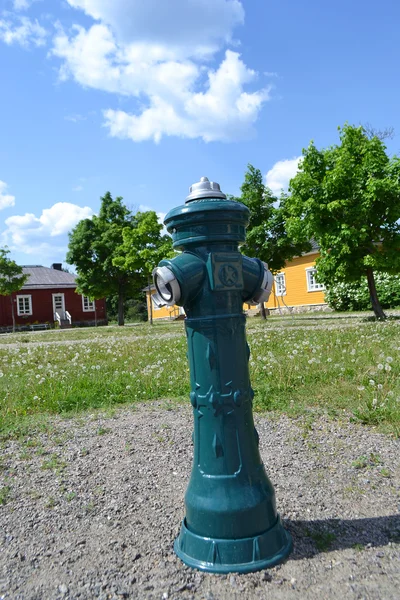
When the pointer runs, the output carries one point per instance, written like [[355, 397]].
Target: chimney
[[57, 266]]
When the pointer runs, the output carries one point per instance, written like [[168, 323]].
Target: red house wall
[[42, 307], [5, 311]]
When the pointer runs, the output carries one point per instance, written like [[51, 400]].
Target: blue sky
[[142, 98]]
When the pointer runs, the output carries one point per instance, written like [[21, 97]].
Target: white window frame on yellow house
[[280, 287], [24, 305], [155, 306], [312, 283]]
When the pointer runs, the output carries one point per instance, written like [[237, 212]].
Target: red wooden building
[[49, 297]]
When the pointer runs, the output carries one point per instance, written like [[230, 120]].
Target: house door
[[59, 304]]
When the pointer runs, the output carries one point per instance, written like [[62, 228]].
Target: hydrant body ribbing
[[231, 522]]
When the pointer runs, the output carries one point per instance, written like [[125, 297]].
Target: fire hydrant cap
[[204, 189]]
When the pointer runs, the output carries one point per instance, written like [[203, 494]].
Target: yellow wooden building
[[295, 288]]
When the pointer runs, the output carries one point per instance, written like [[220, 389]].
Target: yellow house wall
[[296, 284], [296, 290], [160, 313]]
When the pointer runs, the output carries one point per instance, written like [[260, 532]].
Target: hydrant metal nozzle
[[231, 521]]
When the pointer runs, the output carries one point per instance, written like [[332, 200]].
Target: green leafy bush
[[355, 296], [135, 309]]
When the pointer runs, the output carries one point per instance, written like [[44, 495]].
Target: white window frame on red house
[[280, 284], [90, 304], [312, 283], [25, 308]]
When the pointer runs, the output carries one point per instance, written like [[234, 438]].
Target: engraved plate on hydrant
[[225, 271]]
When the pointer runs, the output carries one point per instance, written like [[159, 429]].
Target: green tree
[[11, 279], [97, 249], [266, 237], [143, 247], [348, 198]]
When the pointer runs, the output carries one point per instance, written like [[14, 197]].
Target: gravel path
[[91, 511]]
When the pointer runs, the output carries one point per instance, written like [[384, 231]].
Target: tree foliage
[[12, 278], [135, 309], [266, 236], [347, 197], [143, 245], [98, 249]]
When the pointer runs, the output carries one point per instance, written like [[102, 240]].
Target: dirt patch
[[92, 510]]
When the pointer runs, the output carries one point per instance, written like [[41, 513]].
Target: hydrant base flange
[[244, 555]]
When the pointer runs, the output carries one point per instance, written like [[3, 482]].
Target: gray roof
[[314, 244], [44, 277]]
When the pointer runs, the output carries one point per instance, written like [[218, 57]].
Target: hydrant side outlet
[[231, 522]]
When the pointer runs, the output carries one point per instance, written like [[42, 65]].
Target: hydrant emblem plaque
[[228, 275], [231, 522], [226, 270]]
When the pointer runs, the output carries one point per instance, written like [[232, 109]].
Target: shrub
[[355, 296], [135, 309]]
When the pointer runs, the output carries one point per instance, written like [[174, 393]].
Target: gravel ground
[[91, 511]]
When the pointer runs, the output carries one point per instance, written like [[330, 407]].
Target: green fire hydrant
[[231, 521]]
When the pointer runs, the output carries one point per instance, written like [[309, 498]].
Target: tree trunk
[[263, 312], [150, 301], [121, 320], [12, 312], [105, 313], [95, 314], [376, 305]]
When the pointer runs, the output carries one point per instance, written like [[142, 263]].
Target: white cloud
[[5, 199], [93, 58], [75, 118], [22, 4], [27, 233], [178, 28], [278, 178], [224, 112], [159, 54], [22, 31], [77, 188], [144, 208]]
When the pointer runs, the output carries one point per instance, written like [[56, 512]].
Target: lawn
[[344, 367]]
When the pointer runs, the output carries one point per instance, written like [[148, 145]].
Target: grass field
[[345, 367]]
